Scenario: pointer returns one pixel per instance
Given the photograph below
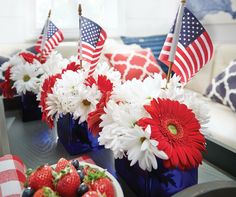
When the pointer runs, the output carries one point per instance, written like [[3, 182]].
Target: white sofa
[[222, 126]]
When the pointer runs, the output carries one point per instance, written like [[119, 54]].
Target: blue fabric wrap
[[155, 43], [30, 109], [75, 137], [157, 183]]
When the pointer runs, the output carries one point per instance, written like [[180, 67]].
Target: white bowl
[[118, 190]]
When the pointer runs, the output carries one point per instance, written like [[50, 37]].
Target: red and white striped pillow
[[136, 64]]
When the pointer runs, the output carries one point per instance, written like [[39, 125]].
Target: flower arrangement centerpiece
[[23, 75], [74, 100], [156, 134]]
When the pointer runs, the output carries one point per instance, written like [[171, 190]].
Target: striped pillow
[[155, 43]]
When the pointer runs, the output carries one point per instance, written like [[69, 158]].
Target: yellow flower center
[[86, 102], [142, 139], [26, 78], [172, 129]]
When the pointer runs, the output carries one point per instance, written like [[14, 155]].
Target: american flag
[[194, 48], [93, 38], [53, 37]]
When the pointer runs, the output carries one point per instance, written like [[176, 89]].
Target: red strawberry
[[98, 181], [91, 194], [41, 177], [104, 186], [61, 164], [45, 192], [67, 182]]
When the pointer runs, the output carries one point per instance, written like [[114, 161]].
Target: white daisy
[[200, 110], [139, 92], [118, 118], [140, 147], [26, 77], [54, 64], [86, 101], [174, 89]]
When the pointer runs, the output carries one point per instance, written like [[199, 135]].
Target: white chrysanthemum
[[26, 77], [199, 108], [174, 90], [142, 149], [54, 64], [67, 89], [55, 107], [118, 118], [86, 101], [139, 92], [104, 69]]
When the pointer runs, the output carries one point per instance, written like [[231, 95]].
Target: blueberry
[[75, 163], [81, 175], [28, 192], [81, 168], [83, 188]]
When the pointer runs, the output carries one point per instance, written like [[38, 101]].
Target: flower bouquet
[[75, 100], [23, 74], [156, 134]]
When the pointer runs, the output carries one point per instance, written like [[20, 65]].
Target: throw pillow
[[223, 87], [32, 50], [155, 43], [3, 60], [136, 64]]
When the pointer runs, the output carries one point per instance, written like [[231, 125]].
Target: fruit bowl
[[70, 178], [117, 187]]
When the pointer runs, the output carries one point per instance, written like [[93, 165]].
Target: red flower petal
[[176, 129]]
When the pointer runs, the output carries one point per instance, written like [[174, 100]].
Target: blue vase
[[30, 107], [157, 183], [75, 137]]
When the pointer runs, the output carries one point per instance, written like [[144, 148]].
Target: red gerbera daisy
[[176, 129]]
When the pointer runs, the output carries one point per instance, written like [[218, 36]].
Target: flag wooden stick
[[175, 39], [45, 31], [80, 35]]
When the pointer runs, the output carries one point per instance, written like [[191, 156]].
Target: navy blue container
[[30, 107], [75, 137], [157, 183]]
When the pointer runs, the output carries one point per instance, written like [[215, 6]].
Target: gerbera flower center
[[26, 78], [86, 102], [172, 128]]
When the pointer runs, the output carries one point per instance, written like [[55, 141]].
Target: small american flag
[[53, 37], [194, 48], [93, 38]]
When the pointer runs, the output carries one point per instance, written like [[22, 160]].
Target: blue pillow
[[32, 50], [155, 43], [3, 60]]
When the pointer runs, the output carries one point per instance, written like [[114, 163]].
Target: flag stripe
[[194, 48], [93, 38], [54, 37]]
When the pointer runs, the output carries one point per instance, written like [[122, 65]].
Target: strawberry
[[61, 164], [41, 177], [67, 181], [45, 192], [104, 186], [98, 181], [91, 194]]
